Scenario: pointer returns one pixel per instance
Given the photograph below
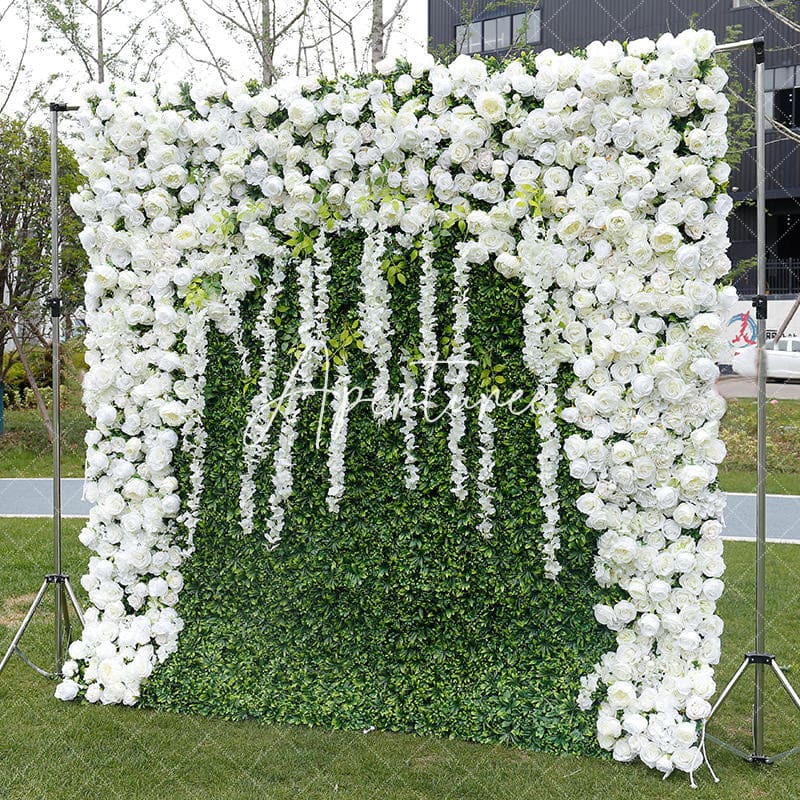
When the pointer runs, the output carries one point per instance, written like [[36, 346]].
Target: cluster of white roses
[[594, 180]]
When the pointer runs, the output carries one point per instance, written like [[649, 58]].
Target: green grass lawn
[[26, 452], [737, 473], [54, 750]]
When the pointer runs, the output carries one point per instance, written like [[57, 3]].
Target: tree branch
[[24, 52]]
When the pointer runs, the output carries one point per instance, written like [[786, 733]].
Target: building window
[[782, 89], [499, 33], [528, 28], [474, 39], [503, 33]]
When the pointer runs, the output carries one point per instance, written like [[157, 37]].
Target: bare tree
[[261, 26], [383, 27], [347, 37], [783, 10], [120, 38], [334, 38], [13, 66]]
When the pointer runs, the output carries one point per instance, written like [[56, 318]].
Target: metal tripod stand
[[760, 658], [65, 595]]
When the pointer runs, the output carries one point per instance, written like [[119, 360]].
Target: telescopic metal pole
[[65, 595], [55, 318], [761, 451], [760, 658]]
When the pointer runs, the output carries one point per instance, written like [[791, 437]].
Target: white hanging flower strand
[[375, 320], [262, 408], [457, 375], [322, 277], [193, 432], [549, 457], [307, 330], [340, 409], [486, 430], [541, 357], [408, 414], [282, 478], [429, 348]]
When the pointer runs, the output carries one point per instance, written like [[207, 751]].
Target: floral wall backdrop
[[403, 398]]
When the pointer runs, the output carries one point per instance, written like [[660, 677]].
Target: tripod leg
[[729, 688], [67, 626], [785, 683], [23, 627], [75, 604]]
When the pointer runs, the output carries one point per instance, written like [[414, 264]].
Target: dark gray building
[[484, 27]]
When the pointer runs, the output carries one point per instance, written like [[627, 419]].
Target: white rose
[[658, 590], [67, 690], [158, 458], [697, 707], [491, 106], [185, 236], [648, 624], [622, 751], [685, 515], [621, 694], [302, 112], [608, 727], [404, 85], [712, 589], [173, 413], [664, 238]]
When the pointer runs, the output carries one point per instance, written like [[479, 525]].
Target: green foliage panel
[[394, 613]]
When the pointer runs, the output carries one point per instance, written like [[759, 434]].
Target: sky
[[43, 60]]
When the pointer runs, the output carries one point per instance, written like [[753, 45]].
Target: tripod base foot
[[61, 584], [758, 660]]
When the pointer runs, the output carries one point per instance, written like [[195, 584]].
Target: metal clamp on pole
[[759, 659], [760, 305]]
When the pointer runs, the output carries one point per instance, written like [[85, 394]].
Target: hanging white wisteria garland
[[338, 436], [457, 375], [486, 429], [603, 180], [262, 408], [375, 317]]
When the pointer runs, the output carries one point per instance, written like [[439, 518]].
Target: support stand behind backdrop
[[65, 595], [760, 658]]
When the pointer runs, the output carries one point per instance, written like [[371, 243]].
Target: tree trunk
[[376, 33], [34, 386], [266, 43], [101, 72]]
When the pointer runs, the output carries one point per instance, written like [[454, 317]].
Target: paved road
[[736, 386], [33, 497]]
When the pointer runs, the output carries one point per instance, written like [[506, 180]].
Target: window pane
[[503, 33], [769, 79], [534, 26], [784, 78], [475, 37], [461, 39], [490, 35], [782, 106], [518, 22]]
